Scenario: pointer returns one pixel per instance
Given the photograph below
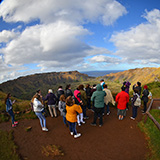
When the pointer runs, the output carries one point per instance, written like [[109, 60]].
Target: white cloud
[[141, 42], [48, 11], [6, 36], [105, 59], [58, 41]]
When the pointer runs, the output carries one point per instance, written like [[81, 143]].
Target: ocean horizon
[[100, 73]]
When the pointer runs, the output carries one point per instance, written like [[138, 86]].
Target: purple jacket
[[51, 98], [127, 84]]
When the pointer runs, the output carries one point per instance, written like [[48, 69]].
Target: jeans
[[41, 118], [84, 110], [89, 103], [106, 106], [134, 111], [72, 127], [64, 120], [12, 115], [98, 112]]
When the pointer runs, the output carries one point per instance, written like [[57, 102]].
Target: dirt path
[[115, 140]]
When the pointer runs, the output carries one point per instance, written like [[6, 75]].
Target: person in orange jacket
[[122, 99], [71, 115]]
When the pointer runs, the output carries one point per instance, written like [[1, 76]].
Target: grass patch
[[152, 134], [7, 146], [52, 151]]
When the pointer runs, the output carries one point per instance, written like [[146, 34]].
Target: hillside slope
[[25, 87], [144, 75]]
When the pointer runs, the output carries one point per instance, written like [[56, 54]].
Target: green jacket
[[98, 97], [83, 97]]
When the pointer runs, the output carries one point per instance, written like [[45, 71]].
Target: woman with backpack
[[136, 102], [145, 94]]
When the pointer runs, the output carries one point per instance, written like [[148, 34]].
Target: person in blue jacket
[[9, 109]]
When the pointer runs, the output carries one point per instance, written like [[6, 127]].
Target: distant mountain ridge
[[144, 75], [25, 87]]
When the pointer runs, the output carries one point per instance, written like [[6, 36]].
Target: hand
[[14, 101]]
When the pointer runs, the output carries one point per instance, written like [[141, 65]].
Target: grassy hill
[[144, 75], [25, 87]]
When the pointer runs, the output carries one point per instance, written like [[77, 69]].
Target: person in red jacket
[[122, 99]]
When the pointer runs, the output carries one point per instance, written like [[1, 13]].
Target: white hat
[[50, 91]]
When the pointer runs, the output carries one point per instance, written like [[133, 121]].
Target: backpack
[[138, 101], [150, 95]]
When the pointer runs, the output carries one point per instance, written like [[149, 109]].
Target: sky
[[86, 35]]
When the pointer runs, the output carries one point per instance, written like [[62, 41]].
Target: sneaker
[[132, 118], [108, 113], [71, 133], [83, 122], [15, 122], [14, 125], [77, 135], [102, 114], [44, 129], [79, 124], [93, 124], [100, 125]]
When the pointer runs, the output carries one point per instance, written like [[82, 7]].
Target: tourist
[[127, 85], [102, 83], [60, 91], [145, 94], [98, 101], [78, 101], [108, 98], [51, 102], [84, 100], [68, 91], [93, 89], [138, 86], [88, 93], [38, 108], [62, 108], [122, 99], [9, 109], [135, 106], [71, 115]]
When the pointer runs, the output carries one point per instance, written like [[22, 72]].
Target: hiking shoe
[[83, 122], [77, 135], [15, 122], [14, 125], [93, 124], [108, 113], [44, 129], [132, 118], [71, 133]]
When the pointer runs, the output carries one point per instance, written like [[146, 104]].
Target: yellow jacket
[[72, 111]]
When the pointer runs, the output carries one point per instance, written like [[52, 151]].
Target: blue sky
[[65, 35]]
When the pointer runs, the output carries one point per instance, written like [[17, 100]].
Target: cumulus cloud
[[76, 11], [6, 36], [105, 59], [140, 42], [58, 40]]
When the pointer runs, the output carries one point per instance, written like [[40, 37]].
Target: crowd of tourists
[[73, 105]]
